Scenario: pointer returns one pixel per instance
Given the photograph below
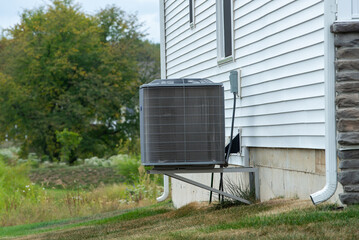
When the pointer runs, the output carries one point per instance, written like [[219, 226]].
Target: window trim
[[221, 58], [191, 24]]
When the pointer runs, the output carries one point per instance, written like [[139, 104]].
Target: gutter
[[166, 189], [330, 124]]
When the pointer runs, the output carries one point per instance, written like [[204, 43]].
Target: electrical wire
[[229, 148]]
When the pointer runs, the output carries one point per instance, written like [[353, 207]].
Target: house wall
[[279, 48]]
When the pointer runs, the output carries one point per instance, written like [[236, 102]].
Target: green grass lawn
[[276, 219]]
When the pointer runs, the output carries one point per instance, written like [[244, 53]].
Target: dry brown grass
[[200, 221]]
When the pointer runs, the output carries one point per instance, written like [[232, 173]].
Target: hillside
[[276, 219]]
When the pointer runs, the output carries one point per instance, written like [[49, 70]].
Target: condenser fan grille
[[182, 123]]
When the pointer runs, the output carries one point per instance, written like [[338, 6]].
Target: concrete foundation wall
[[289, 173]]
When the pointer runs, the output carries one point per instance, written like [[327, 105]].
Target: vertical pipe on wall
[[166, 190], [330, 124]]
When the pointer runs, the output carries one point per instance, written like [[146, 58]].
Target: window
[[191, 13], [348, 10], [225, 30]]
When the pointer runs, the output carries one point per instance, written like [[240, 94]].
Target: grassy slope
[[279, 219]]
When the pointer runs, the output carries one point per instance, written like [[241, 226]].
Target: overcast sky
[[147, 11]]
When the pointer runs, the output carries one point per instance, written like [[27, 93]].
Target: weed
[[144, 188], [236, 188]]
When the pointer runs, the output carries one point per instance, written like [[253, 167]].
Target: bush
[[145, 188], [69, 142], [95, 161], [32, 160], [127, 166], [9, 155]]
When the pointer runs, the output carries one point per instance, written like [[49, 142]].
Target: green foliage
[[61, 68], [9, 155], [128, 167], [69, 142], [95, 161], [15, 187], [144, 188]]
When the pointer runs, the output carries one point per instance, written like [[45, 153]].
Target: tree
[[62, 69]]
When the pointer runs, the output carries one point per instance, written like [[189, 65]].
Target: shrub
[[69, 142], [10, 155], [32, 160], [95, 161], [145, 189], [127, 166]]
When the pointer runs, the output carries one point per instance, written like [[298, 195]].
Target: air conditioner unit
[[182, 123]]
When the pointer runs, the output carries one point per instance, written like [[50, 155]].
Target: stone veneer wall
[[347, 103]]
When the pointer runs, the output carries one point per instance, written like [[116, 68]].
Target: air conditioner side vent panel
[[182, 122]]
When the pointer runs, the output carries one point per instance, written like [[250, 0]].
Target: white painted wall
[[279, 46]]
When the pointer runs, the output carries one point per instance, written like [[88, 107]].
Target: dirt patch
[[75, 177], [285, 205]]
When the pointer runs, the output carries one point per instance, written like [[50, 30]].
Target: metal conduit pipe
[[330, 125], [166, 189]]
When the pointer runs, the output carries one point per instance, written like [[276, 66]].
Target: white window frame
[[192, 24], [221, 58], [348, 10]]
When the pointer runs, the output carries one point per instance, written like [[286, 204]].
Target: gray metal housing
[[182, 123]]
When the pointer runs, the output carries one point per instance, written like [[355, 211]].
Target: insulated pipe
[[165, 188], [330, 130]]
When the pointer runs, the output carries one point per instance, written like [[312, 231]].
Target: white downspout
[[166, 189], [330, 124], [163, 76]]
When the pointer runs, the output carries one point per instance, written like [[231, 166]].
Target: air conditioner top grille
[[180, 82]]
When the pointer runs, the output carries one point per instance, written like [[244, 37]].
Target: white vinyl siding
[[279, 47]]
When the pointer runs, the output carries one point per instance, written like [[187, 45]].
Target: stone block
[[349, 198], [351, 188], [348, 138], [347, 100], [348, 125], [345, 27], [349, 177], [348, 76], [348, 154], [347, 65], [346, 40], [348, 113], [349, 164], [347, 87], [348, 53]]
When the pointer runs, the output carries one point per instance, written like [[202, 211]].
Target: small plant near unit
[[239, 189], [144, 188]]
